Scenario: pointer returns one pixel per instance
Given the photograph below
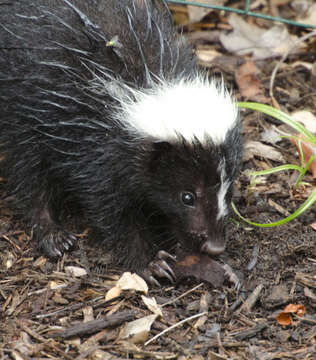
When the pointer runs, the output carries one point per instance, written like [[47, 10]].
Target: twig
[[174, 326], [182, 295], [251, 300], [94, 303], [91, 327]]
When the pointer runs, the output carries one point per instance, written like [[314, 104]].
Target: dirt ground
[[47, 312]]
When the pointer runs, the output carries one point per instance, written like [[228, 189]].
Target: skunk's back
[[129, 38]]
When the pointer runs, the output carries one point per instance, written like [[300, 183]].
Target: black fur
[[62, 64]]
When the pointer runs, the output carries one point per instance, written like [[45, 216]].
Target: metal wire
[[243, 12]]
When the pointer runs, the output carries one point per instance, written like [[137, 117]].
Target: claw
[[166, 267], [154, 281], [164, 255], [161, 269], [53, 241], [66, 245]]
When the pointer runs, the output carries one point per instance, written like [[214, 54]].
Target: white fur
[[225, 184], [188, 108]]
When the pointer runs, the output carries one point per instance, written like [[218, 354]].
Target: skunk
[[104, 114]]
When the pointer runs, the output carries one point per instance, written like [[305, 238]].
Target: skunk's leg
[[159, 268], [52, 240]]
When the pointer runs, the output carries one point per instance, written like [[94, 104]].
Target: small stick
[[91, 327], [174, 326], [251, 300], [182, 295]]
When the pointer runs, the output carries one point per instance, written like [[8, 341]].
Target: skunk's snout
[[209, 244], [214, 247]]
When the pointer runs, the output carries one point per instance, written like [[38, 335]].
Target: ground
[[47, 312]]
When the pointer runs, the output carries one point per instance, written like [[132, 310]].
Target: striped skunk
[[104, 113]]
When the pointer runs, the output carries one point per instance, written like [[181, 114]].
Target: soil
[[39, 299]]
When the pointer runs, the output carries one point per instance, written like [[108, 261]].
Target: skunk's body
[[103, 109]]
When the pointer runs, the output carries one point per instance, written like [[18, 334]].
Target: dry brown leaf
[[137, 331], [308, 150], [309, 121], [39, 262], [54, 285], [129, 281], [197, 13], [308, 16], [87, 312], [256, 148], [16, 355], [261, 43], [59, 299], [152, 305], [248, 82], [306, 118], [285, 318], [113, 293], [271, 136], [207, 55], [313, 226], [306, 65], [75, 271]]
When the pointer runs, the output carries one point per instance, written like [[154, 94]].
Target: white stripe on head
[[192, 109], [225, 184]]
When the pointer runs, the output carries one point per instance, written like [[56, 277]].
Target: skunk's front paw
[[159, 268], [53, 241]]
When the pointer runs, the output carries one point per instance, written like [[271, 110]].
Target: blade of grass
[[311, 199], [280, 115], [276, 169]]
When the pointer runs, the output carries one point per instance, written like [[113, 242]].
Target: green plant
[[306, 136]]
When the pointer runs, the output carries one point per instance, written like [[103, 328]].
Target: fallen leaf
[[112, 293], [309, 121], [256, 148], [308, 150], [39, 262], [306, 118], [59, 299], [271, 136], [284, 318], [309, 16], [75, 271], [129, 281], [9, 261], [206, 55], [152, 305], [248, 82], [54, 285], [137, 331], [261, 43], [197, 13], [306, 65]]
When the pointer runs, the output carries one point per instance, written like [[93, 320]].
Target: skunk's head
[[193, 151]]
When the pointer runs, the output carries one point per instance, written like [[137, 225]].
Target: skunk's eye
[[188, 198]]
